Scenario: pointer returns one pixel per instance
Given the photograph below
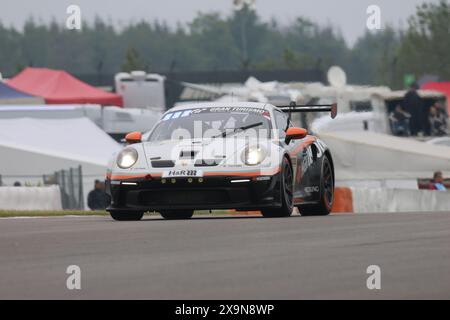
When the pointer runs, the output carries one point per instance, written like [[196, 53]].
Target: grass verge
[[14, 213]]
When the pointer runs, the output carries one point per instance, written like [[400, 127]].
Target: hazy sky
[[348, 15]]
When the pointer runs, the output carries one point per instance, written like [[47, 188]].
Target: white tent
[[113, 120], [30, 148]]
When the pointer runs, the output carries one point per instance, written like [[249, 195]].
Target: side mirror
[[295, 134], [133, 137]]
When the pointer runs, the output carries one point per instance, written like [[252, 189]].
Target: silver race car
[[242, 156]]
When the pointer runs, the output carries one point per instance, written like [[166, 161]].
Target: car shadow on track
[[237, 217]]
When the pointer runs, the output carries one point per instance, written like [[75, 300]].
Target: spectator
[[17, 184], [438, 122], [438, 182], [400, 121], [441, 108], [414, 106], [97, 199]]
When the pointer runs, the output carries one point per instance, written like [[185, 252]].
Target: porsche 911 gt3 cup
[[242, 156]]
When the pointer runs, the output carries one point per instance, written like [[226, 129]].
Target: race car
[[210, 156]]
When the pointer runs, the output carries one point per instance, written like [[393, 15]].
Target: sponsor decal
[[312, 189], [186, 113]]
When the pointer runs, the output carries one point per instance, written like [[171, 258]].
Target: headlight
[[127, 158], [253, 156]]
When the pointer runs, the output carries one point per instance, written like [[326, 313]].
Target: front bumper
[[207, 193]]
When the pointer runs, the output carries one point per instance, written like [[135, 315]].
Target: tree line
[[240, 41]]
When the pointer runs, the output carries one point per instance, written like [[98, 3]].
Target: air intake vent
[[163, 163]]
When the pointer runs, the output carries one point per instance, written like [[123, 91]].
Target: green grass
[[13, 213]]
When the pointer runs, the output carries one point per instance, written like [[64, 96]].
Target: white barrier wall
[[30, 198], [371, 156], [371, 200], [42, 149]]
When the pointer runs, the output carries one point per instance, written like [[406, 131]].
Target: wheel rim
[[288, 190], [328, 183]]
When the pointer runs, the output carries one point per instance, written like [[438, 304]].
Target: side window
[[281, 120]]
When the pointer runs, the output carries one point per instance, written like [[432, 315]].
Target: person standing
[[413, 104], [97, 198]]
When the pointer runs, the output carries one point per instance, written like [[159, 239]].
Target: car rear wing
[[296, 108]]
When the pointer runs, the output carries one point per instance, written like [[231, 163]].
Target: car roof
[[195, 105]]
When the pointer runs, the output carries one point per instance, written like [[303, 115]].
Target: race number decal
[[182, 173]]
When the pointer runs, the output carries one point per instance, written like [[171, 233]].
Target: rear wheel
[[126, 216], [177, 214], [286, 194], [323, 207]]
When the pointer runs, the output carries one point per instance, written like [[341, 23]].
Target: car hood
[[199, 149]]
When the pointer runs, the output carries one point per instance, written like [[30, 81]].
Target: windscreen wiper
[[226, 133]]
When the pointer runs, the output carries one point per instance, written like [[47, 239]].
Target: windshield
[[212, 122]]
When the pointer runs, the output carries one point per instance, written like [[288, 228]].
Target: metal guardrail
[[70, 183]]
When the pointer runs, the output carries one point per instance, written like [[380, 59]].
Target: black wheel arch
[[330, 158], [288, 157]]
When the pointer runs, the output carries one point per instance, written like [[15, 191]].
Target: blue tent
[[10, 96]]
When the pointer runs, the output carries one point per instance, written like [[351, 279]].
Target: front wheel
[[177, 214], [286, 179], [126, 216], [323, 207]]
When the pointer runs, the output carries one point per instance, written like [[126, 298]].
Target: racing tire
[[323, 207], [286, 179], [177, 214], [126, 216]]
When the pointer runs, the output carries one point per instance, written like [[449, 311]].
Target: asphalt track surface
[[228, 258]]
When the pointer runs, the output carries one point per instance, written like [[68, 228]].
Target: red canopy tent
[[443, 87], [60, 87]]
